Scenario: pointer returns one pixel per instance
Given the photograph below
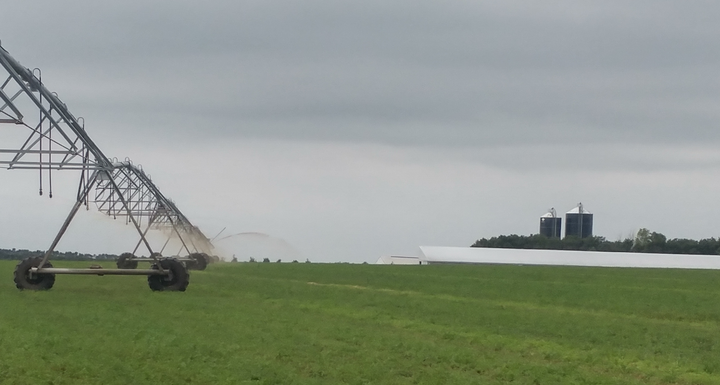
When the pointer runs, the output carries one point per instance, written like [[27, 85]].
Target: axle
[[57, 270]]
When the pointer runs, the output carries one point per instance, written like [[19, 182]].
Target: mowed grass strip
[[268, 323]]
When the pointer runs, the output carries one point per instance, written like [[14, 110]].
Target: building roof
[[398, 260], [481, 255], [576, 210], [549, 215]]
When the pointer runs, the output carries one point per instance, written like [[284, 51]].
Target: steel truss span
[[44, 135]]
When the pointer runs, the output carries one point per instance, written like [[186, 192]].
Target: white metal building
[[398, 260], [436, 255]]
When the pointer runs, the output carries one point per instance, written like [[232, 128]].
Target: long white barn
[[437, 255], [398, 260]]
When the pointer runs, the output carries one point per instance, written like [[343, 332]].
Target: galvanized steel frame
[[57, 140]]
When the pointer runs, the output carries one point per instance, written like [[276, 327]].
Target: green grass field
[[256, 323]]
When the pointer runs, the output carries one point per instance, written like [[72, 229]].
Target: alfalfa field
[[299, 323]]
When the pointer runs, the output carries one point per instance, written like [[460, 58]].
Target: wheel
[[190, 262], [177, 280], [197, 262], [127, 261], [24, 280]]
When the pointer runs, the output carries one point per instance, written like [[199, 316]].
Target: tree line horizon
[[20, 254], [644, 241]]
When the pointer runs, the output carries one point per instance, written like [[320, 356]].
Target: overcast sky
[[349, 130]]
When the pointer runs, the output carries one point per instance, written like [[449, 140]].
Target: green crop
[[256, 323]]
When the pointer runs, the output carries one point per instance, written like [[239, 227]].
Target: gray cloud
[[466, 73], [481, 101]]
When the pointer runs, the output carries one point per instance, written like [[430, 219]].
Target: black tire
[[177, 280], [190, 262], [197, 261], [127, 261], [24, 281]]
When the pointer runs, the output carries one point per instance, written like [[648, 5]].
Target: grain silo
[[550, 224], [578, 222]]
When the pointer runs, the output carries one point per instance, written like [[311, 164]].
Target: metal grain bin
[[578, 222], [550, 224]]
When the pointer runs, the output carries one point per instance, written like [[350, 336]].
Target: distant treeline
[[19, 254], [644, 242]]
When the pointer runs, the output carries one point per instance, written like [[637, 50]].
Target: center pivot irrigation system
[[48, 138]]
